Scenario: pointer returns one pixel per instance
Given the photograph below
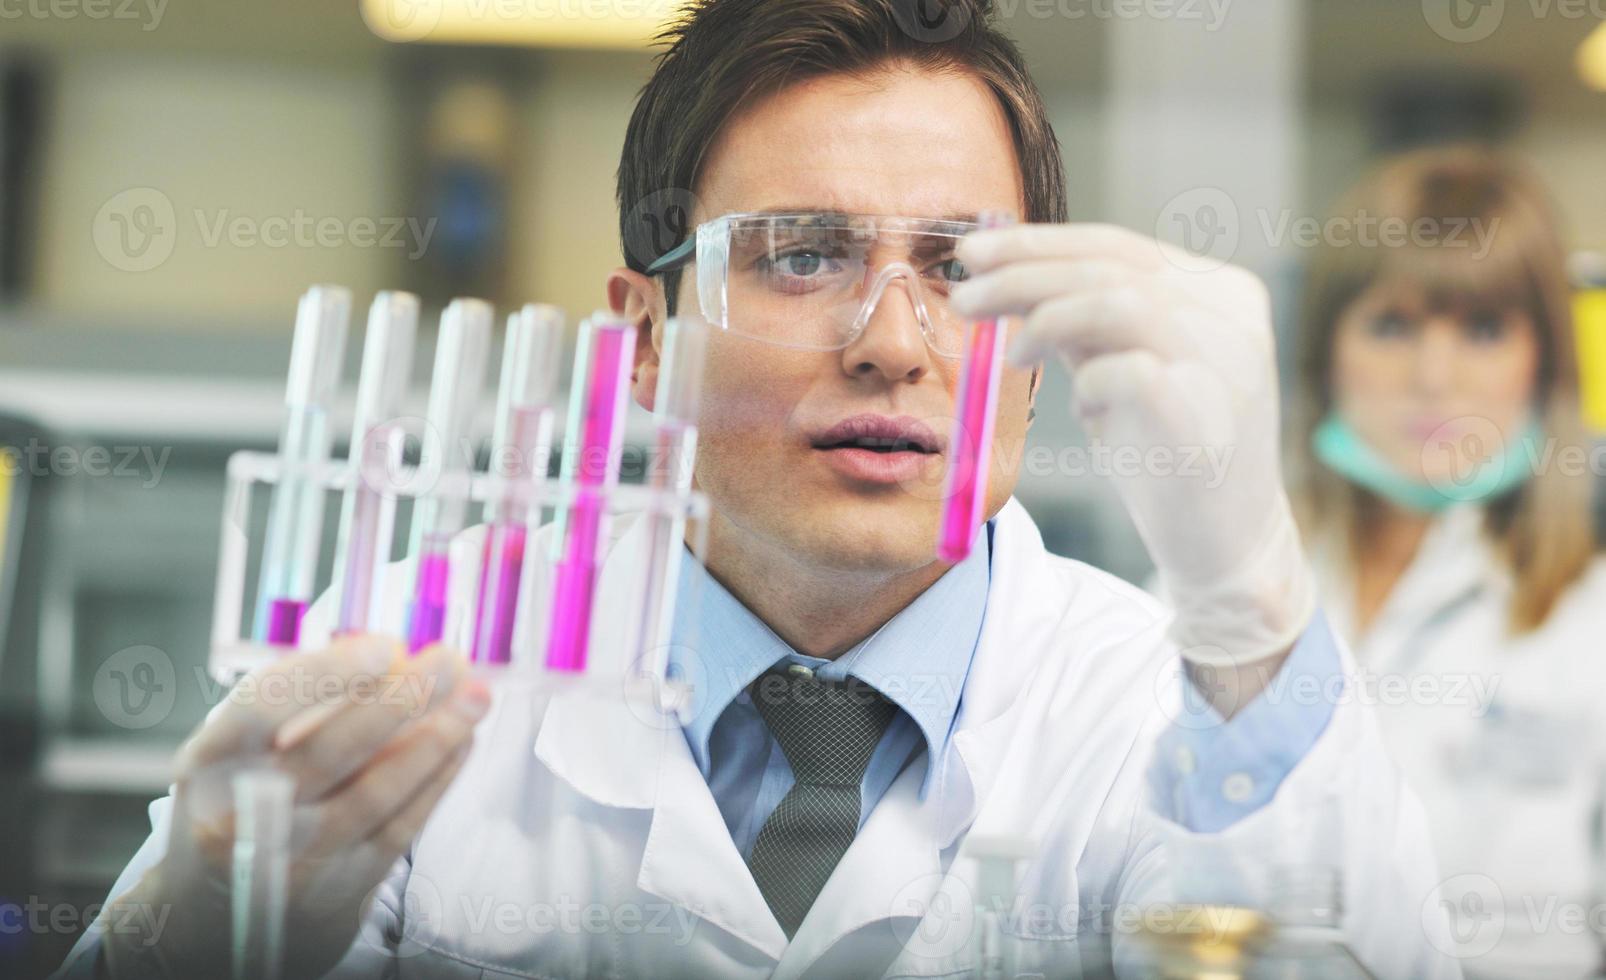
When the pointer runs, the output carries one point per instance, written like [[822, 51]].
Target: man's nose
[[892, 343]]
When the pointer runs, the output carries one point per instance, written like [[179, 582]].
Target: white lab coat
[[1514, 794], [581, 840]]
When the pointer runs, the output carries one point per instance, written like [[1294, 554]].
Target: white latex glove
[[1164, 357]]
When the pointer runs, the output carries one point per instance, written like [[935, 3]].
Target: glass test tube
[[460, 357], [964, 494], [593, 445], [295, 517], [521, 447], [369, 526], [260, 869], [368, 514], [675, 403]]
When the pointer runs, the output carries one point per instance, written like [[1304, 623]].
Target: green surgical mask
[[1341, 448]]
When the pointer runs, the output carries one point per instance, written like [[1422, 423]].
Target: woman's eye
[[1485, 327], [1390, 325]]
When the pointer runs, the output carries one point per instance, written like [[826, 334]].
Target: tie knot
[[827, 729]]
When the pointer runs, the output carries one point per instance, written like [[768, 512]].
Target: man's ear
[[640, 299]]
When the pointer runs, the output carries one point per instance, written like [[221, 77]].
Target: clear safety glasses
[[811, 281]]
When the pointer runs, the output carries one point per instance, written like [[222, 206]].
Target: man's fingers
[[405, 768], [1084, 325], [982, 251], [396, 835], [1018, 288], [371, 714], [266, 699]]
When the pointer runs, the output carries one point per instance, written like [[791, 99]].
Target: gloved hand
[[1162, 357], [372, 740]]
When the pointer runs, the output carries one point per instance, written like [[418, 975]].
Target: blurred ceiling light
[[1592, 59], [619, 24]]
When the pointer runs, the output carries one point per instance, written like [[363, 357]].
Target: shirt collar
[[918, 659]]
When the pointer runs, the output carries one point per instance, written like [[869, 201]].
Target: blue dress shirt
[[1207, 774], [919, 660]]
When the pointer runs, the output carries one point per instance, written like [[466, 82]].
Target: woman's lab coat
[[581, 839], [1503, 739]]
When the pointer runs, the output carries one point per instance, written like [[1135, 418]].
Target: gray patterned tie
[[827, 729]]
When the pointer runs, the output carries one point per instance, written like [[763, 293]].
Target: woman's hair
[[1478, 233]]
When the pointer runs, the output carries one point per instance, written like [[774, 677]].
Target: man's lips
[[879, 448], [880, 433]]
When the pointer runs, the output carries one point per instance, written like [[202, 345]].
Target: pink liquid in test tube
[[595, 471], [428, 618], [499, 595], [970, 448], [284, 621]]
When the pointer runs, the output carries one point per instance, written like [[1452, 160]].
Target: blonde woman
[[1447, 490]]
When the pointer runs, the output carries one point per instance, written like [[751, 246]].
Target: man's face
[[898, 142]]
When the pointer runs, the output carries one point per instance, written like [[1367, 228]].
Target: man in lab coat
[[871, 726]]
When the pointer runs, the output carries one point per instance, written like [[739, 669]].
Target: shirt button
[[1184, 759], [800, 670], [1237, 787]]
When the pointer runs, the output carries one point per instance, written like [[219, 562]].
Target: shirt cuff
[[1209, 773]]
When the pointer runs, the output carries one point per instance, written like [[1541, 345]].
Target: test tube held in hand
[[674, 413], [260, 870], [521, 447], [964, 492], [592, 446], [295, 517], [446, 458], [368, 513]]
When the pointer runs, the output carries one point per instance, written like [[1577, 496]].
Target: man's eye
[[949, 270], [800, 263]]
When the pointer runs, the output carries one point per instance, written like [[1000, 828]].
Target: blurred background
[[174, 174]]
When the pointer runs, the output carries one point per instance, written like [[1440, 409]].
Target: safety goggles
[[811, 281]]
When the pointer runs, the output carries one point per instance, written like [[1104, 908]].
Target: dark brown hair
[[723, 54], [1543, 528]]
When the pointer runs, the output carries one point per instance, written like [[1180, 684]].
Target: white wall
[[230, 139]]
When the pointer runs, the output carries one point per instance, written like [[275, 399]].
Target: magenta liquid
[[429, 601], [284, 621], [595, 471], [499, 594], [971, 443]]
